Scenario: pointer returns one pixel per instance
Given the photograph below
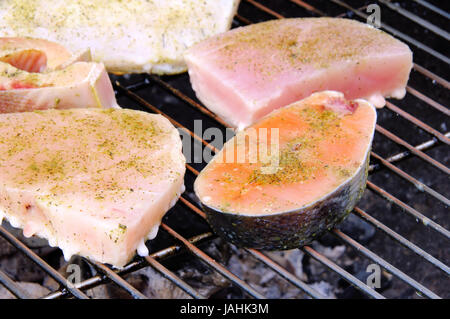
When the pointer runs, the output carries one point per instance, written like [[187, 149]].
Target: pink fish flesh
[[93, 182], [245, 73]]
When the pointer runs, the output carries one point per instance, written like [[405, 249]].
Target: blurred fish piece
[[131, 36], [36, 74]]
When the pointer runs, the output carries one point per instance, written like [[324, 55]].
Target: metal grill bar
[[173, 278], [417, 122], [425, 220], [161, 254], [429, 101], [284, 273], [14, 288], [400, 239], [344, 274], [393, 270], [242, 19], [182, 97], [433, 8], [389, 197], [400, 156], [412, 149], [265, 9], [308, 7], [41, 263], [195, 172], [119, 281], [263, 258], [421, 186], [431, 76], [213, 264], [114, 276], [136, 97], [416, 19]]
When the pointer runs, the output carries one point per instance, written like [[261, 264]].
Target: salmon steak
[[132, 36], [36, 74], [246, 73], [93, 182], [292, 175]]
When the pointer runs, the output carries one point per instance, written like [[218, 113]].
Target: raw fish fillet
[[245, 73], [311, 179], [52, 54], [321, 142], [38, 74], [93, 182], [80, 85], [131, 36]]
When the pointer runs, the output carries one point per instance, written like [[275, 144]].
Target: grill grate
[[139, 91]]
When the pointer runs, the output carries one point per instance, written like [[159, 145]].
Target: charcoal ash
[[6, 249], [32, 289], [27, 275], [15, 264], [203, 279]]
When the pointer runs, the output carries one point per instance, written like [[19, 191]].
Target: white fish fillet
[[93, 182], [55, 54], [38, 74], [130, 36], [80, 85], [244, 74]]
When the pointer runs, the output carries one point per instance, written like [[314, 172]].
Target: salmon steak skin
[[246, 73], [37, 74], [94, 182], [291, 176], [133, 36]]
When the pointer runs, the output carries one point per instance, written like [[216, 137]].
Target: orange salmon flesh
[[322, 141]]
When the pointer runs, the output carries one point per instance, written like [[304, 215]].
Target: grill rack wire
[[155, 260]]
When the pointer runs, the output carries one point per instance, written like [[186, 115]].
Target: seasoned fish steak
[[245, 73], [93, 182], [130, 36]]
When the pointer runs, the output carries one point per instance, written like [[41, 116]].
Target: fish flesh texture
[[311, 148], [51, 55], [94, 182], [37, 74], [296, 173], [131, 36], [245, 73]]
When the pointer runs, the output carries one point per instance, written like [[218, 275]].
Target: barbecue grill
[[406, 201]]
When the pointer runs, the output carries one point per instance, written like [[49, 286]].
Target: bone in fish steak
[[93, 182], [132, 36]]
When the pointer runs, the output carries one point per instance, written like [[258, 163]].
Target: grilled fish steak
[[245, 73], [131, 36], [93, 182], [37, 74], [278, 198]]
